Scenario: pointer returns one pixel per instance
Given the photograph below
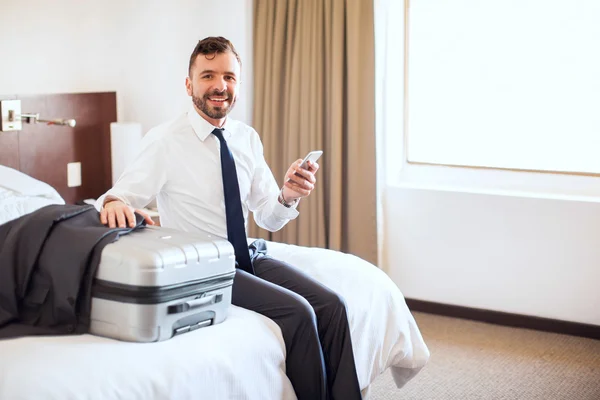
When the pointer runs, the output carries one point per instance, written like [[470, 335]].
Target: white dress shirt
[[179, 164]]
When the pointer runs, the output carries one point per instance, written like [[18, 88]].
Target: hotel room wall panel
[[43, 151]]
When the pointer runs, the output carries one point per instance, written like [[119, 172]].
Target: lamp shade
[[125, 140]]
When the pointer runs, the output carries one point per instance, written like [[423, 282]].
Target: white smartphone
[[313, 156]]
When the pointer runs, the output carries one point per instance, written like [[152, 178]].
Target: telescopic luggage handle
[[196, 303]]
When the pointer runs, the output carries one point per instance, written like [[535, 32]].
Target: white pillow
[[25, 185], [21, 194]]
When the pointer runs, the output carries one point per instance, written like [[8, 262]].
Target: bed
[[241, 358]]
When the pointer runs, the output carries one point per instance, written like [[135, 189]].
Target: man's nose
[[221, 85]]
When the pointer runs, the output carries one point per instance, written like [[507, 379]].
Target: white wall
[[518, 242], [526, 255], [138, 48]]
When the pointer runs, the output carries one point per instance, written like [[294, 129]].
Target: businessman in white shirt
[[207, 172]]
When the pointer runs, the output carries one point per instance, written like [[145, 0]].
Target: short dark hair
[[210, 46]]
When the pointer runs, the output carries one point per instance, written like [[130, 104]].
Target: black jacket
[[48, 260]]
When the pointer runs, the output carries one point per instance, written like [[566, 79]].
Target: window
[[504, 84]]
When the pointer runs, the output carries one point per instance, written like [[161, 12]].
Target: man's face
[[213, 85]]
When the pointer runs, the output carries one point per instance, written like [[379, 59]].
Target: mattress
[[241, 358]]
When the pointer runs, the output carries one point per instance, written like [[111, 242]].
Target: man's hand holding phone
[[300, 177]]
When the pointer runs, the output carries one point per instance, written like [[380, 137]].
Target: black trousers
[[314, 324]]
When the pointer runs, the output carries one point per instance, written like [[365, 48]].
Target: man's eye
[[230, 78], [206, 76]]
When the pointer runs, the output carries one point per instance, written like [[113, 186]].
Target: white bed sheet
[[242, 358], [383, 330]]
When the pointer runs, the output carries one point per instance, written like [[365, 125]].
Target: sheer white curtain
[[389, 75], [389, 98]]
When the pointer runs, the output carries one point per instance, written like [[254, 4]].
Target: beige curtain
[[314, 88]]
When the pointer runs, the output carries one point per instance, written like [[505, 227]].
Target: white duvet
[[241, 358]]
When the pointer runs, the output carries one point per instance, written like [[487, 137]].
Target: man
[[208, 172]]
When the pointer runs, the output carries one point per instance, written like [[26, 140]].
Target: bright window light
[[505, 84]]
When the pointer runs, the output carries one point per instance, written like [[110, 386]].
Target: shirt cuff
[[283, 212]]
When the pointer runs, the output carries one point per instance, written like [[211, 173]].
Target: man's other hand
[[116, 213]]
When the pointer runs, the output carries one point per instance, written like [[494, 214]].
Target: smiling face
[[213, 85]]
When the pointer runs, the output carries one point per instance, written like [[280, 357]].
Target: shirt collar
[[202, 127]]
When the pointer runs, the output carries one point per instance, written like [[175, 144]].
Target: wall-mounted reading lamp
[[12, 118]]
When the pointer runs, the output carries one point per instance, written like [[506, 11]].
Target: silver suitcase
[[154, 283]]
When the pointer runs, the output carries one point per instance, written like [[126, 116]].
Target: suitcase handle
[[191, 304]]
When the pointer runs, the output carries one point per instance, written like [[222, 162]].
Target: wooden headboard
[[43, 151]]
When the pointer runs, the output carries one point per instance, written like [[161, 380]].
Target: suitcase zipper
[[158, 294]]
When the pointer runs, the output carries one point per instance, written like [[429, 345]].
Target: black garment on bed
[[48, 260]]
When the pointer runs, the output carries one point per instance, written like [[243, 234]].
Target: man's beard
[[213, 112]]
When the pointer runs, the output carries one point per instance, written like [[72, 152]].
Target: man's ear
[[188, 85]]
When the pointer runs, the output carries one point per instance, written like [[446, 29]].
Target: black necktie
[[236, 232]]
